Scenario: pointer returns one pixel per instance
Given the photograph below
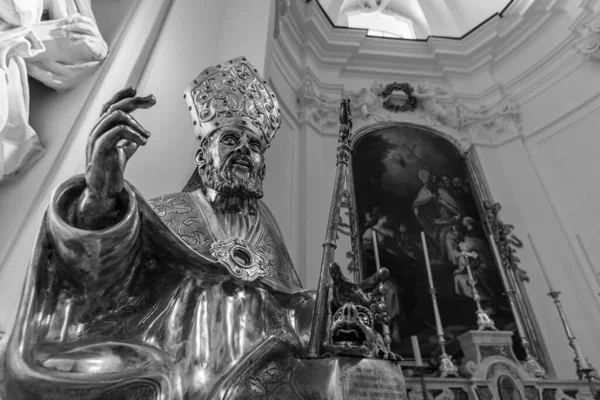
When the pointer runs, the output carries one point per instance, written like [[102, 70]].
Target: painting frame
[[481, 193]]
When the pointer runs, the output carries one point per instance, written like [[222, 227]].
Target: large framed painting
[[407, 179]]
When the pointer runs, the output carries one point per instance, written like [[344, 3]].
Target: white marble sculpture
[[364, 6], [54, 41]]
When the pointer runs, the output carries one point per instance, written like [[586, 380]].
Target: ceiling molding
[[468, 68], [484, 77]]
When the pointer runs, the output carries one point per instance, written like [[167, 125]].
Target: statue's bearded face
[[231, 161]]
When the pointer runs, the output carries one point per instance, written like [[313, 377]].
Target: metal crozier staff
[[319, 319]]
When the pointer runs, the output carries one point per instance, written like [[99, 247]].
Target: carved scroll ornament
[[507, 241], [486, 124], [589, 44]]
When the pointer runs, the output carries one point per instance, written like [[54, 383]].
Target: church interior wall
[[545, 181], [165, 163], [535, 175]]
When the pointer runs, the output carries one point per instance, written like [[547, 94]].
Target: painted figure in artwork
[[189, 295], [417, 181], [56, 42]]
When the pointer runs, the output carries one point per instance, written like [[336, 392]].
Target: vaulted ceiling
[[449, 18]]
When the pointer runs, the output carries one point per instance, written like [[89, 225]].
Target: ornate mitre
[[232, 93]]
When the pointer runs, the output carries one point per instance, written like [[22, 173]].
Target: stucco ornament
[[589, 43], [431, 110], [489, 124], [364, 6], [56, 42]]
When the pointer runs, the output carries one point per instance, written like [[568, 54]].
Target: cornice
[[479, 73], [491, 124], [352, 52]]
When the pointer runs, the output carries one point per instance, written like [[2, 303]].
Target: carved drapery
[[28, 47]]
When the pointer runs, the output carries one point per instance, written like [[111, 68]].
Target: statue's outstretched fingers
[[120, 95], [127, 149], [131, 104], [108, 122], [114, 135]]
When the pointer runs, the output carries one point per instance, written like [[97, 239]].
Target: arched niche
[[404, 179]]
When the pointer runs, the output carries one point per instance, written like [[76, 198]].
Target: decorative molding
[[493, 124], [281, 8], [480, 70], [488, 124], [589, 44]]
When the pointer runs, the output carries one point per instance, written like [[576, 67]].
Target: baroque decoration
[[281, 8], [410, 104], [423, 104], [589, 43], [507, 242]]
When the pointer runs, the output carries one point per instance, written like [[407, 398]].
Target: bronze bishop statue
[[191, 295]]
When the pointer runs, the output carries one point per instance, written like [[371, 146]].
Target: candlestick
[[416, 351], [320, 310], [539, 260], [421, 372], [580, 361], [387, 338], [427, 265], [447, 367], [589, 260], [531, 363], [583, 368], [483, 319]]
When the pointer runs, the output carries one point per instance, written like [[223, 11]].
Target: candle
[[436, 312], [499, 261], [416, 351], [376, 249], [537, 256], [427, 265]]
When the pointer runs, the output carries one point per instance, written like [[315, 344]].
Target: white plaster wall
[[473, 13], [196, 35], [165, 164], [565, 159], [514, 183]]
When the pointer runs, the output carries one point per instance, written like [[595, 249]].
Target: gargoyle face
[[352, 331]]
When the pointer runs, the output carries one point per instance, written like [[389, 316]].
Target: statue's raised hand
[[114, 139], [369, 293]]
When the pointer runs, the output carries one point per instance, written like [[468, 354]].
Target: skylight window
[[381, 25]]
